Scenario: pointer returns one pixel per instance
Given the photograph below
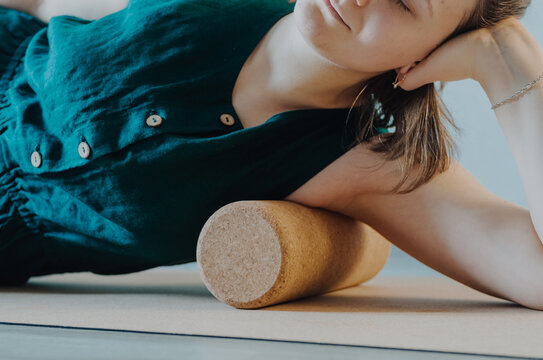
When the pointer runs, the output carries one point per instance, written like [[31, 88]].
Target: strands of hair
[[421, 143]]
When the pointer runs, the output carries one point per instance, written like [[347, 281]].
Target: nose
[[361, 2]]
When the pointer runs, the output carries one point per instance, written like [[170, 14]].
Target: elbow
[[531, 302], [529, 290]]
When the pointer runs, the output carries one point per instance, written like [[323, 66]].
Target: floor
[[46, 342]]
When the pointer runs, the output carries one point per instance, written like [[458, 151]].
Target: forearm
[[517, 62], [26, 6], [90, 10]]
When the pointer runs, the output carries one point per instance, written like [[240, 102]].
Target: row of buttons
[[84, 149]]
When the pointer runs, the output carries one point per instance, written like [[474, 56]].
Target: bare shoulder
[[359, 171]]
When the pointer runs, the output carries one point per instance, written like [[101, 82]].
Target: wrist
[[507, 59]]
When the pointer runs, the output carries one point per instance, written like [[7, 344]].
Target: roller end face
[[239, 255]]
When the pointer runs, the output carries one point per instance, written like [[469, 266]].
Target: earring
[[396, 83]]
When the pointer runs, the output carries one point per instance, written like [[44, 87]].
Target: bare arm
[[453, 223], [518, 61], [456, 226], [26, 6], [90, 10], [502, 59]]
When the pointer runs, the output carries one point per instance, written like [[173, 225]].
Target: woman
[[291, 74]]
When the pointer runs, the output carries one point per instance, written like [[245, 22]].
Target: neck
[[299, 77]]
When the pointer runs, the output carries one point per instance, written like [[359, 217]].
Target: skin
[[309, 58], [316, 61], [452, 224]]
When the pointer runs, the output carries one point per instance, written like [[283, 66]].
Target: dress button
[[227, 119], [36, 159], [84, 150], [154, 120]]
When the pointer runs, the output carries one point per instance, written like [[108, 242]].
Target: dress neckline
[[246, 54]]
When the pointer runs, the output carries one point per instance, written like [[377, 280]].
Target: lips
[[332, 6]]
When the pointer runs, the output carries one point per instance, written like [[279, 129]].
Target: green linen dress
[[118, 138]]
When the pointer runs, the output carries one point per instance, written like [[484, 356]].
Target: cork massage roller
[[253, 254]]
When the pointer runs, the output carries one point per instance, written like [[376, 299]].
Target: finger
[[416, 76]]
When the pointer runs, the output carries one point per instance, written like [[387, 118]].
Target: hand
[[491, 56], [451, 61]]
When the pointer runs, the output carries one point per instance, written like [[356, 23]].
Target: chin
[[311, 22], [313, 27]]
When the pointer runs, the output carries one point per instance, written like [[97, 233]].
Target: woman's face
[[379, 35]]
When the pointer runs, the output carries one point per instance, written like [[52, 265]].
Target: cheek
[[382, 44]]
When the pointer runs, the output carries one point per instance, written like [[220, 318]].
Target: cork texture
[[253, 254]]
